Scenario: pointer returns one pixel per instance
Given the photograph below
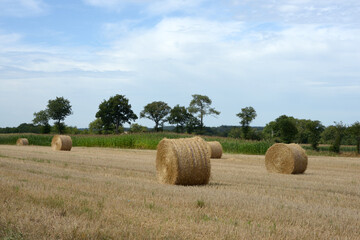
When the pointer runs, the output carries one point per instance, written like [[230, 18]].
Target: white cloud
[[309, 55], [189, 53], [156, 7], [164, 7], [297, 11], [22, 8]]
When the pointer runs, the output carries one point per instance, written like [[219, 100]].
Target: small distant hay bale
[[184, 161], [61, 143], [286, 158], [22, 142], [215, 148]]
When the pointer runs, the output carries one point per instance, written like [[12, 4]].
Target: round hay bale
[[22, 142], [61, 143], [216, 149], [286, 158], [184, 161]]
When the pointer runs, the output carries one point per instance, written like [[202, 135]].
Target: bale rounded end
[[286, 158], [166, 162], [61, 143], [22, 142], [215, 148], [183, 161]]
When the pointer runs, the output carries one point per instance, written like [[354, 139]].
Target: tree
[[201, 104], [28, 128], [247, 114], [285, 128], [58, 110], [269, 131], [339, 134], [327, 136], [115, 112], [42, 118], [315, 128], [156, 111], [179, 116], [355, 132], [192, 124], [137, 128], [96, 126], [235, 132], [303, 133]]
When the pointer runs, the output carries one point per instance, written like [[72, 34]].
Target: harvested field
[[100, 193]]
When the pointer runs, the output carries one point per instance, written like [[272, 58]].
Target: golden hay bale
[[286, 158], [22, 141], [216, 149], [61, 143], [184, 161]]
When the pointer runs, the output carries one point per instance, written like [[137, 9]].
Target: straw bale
[[184, 161], [286, 158], [216, 149], [61, 143], [22, 142]]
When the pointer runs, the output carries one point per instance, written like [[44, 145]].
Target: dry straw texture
[[216, 149], [286, 158], [22, 141], [61, 143], [183, 161]]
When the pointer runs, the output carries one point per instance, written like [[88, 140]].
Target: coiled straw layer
[[216, 149], [61, 143], [183, 161], [22, 142], [286, 158]]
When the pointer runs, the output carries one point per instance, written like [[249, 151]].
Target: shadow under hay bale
[[286, 158], [183, 161], [22, 142], [61, 143], [215, 149]]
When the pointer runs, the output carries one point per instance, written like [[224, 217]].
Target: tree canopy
[[179, 116], [355, 132], [115, 112], [201, 105], [157, 112], [314, 128], [246, 115], [42, 118]]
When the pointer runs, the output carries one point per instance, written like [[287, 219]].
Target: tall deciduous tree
[[247, 114], [355, 132], [58, 109], [42, 118], [157, 112], [285, 128], [115, 112], [96, 126], [201, 105], [314, 128], [179, 116], [339, 134]]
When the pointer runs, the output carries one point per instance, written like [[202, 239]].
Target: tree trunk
[[156, 126], [59, 127], [117, 128]]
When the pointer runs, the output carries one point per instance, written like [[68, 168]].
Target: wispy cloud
[[253, 52], [22, 8]]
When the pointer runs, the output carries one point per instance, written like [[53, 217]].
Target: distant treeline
[[255, 133]]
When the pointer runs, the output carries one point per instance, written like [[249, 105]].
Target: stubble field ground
[[104, 193]]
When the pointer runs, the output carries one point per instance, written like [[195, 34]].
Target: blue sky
[[297, 57]]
